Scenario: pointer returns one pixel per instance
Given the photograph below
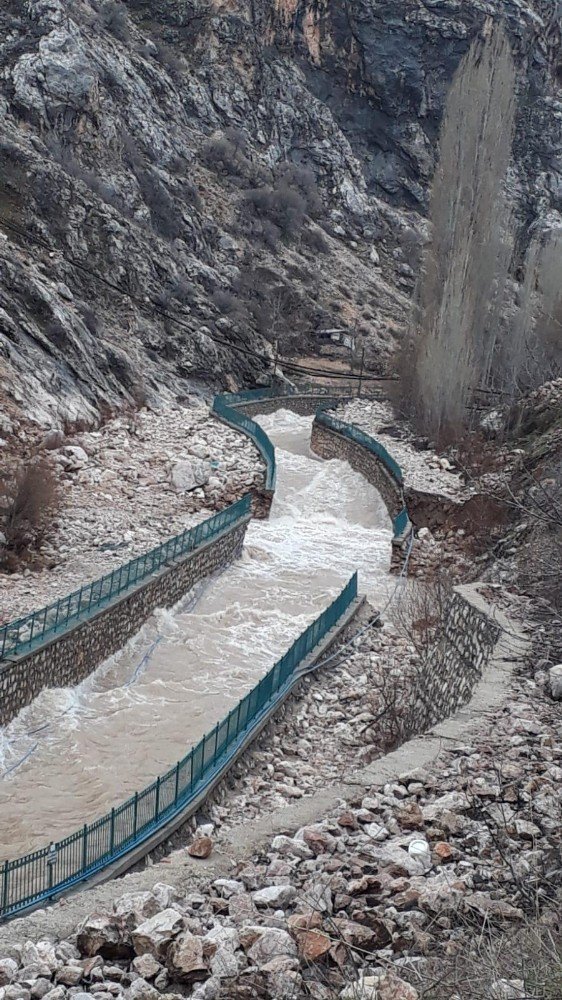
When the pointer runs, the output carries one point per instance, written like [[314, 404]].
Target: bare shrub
[[530, 353], [524, 963], [399, 695], [227, 153], [32, 500], [315, 239], [287, 202], [113, 17], [285, 207], [420, 610], [184, 291], [191, 194], [90, 320], [65, 157], [169, 59], [165, 217], [227, 302], [460, 294], [303, 180]]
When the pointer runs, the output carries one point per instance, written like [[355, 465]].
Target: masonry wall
[[327, 443], [466, 645], [68, 659], [305, 405]]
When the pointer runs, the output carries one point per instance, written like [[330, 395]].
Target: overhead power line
[[150, 305]]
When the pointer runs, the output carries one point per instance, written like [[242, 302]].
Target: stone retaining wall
[[305, 405], [69, 658], [464, 649], [327, 443]]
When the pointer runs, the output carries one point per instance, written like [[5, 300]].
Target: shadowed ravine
[[74, 753]]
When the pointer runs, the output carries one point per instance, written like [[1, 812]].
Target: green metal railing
[[401, 522], [26, 633], [41, 875], [223, 408], [365, 440], [254, 395]]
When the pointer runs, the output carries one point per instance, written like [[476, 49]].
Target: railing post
[[157, 802], [51, 862], [112, 831], [85, 847], [177, 783], [5, 874], [135, 813]]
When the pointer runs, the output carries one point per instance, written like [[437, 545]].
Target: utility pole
[[274, 376], [361, 372]]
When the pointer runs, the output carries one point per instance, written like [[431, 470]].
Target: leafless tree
[[31, 501], [461, 290], [532, 355]]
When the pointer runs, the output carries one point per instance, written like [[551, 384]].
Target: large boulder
[[186, 961], [135, 907], [73, 457], [275, 895], [101, 934], [8, 969], [188, 474], [270, 943], [555, 682], [156, 934]]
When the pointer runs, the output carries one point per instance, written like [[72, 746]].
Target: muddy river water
[[74, 753]]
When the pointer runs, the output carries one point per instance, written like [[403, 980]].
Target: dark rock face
[[384, 69], [112, 155]]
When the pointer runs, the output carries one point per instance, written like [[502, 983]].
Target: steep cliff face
[[180, 177]]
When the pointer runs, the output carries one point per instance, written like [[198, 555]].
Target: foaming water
[[73, 753]]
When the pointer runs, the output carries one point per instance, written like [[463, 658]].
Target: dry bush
[[528, 958], [286, 202], [163, 212], [399, 699], [420, 609], [113, 17], [228, 153], [31, 503], [475, 454]]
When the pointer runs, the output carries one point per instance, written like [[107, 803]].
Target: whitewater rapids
[[74, 753]]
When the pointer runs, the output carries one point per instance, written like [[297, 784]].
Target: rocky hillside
[[180, 177]]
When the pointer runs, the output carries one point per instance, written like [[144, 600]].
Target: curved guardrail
[[24, 634], [224, 408], [401, 523], [41, 875]]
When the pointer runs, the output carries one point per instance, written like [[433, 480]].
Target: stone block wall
[[69, 658], [328, 443], [305, 405], [463, 651]]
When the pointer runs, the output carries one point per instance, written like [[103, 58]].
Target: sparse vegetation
[[228, 154], [30, 502], [114, 18], [164, 214], [286, 202]]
